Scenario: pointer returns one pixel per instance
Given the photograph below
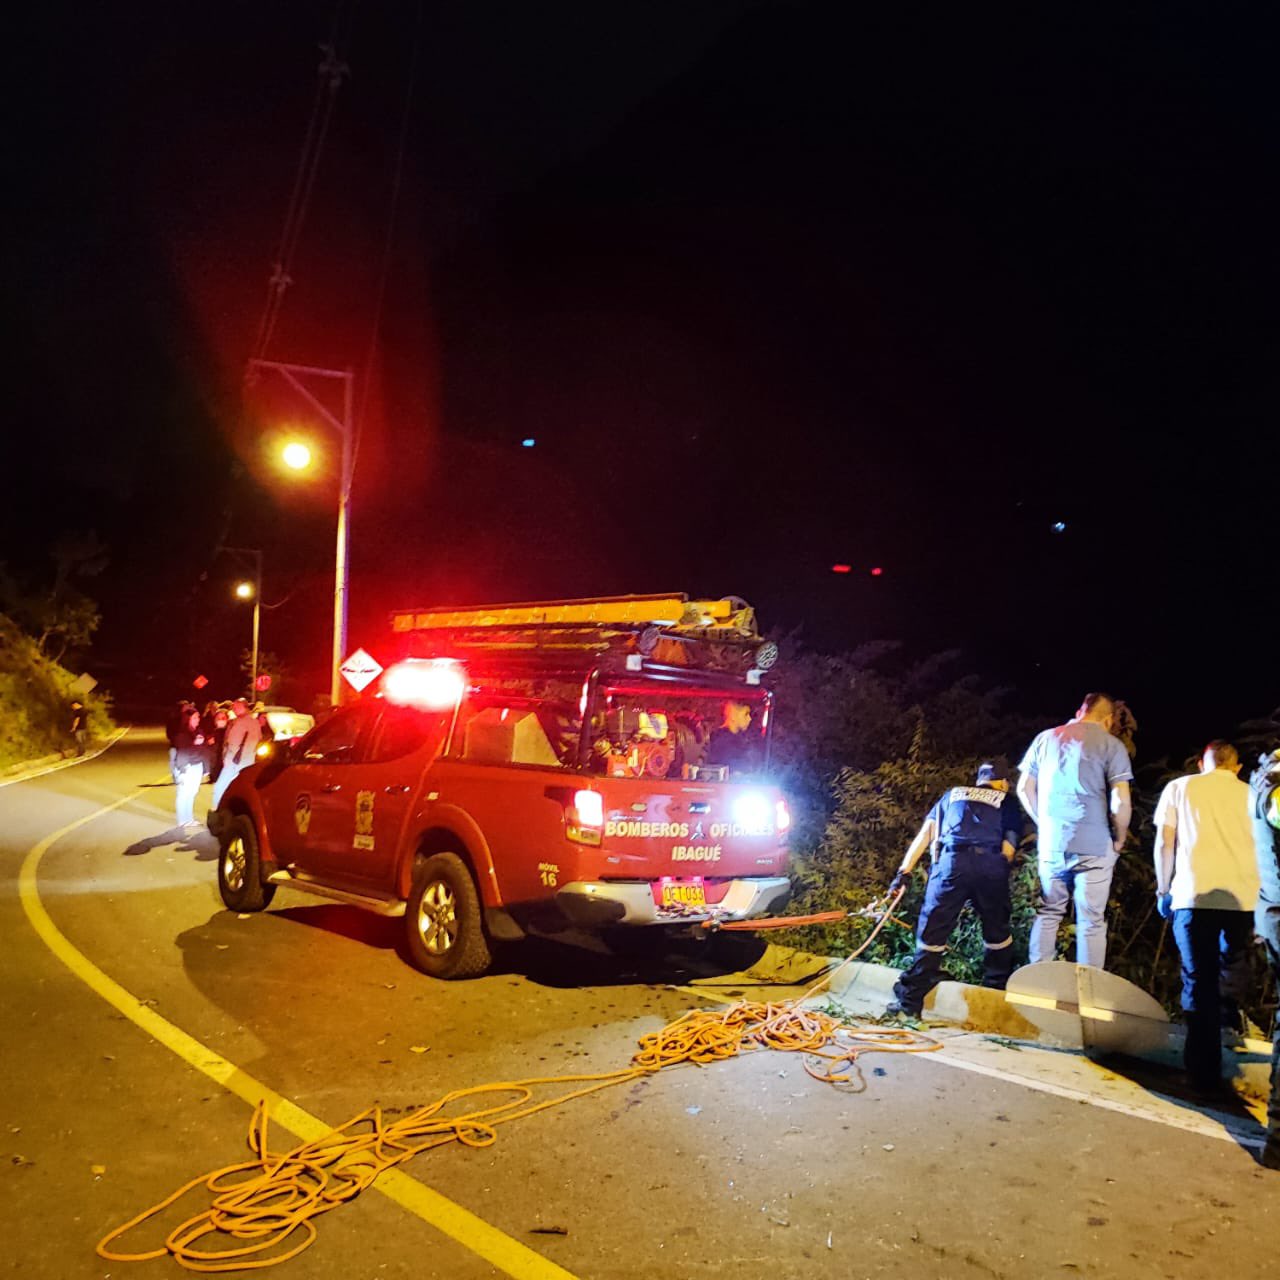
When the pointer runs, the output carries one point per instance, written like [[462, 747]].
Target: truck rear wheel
[[445, 923], [240, 866]]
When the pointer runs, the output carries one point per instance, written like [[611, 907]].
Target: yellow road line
[[480, 1237]]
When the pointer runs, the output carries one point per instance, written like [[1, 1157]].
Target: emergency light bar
[[435, 685]]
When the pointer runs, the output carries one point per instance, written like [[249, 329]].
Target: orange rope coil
[[265, 1208]]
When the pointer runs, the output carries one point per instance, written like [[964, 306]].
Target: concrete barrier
[[865, 989]]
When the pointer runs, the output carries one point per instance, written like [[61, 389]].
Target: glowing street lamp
[[297, 456]]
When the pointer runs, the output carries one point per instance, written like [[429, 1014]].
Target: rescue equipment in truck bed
[[669, 628]]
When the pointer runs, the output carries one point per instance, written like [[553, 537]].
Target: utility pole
[[257, 610], [296, 375]]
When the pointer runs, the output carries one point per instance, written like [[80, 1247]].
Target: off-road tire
[[240, 866], [444, 922]]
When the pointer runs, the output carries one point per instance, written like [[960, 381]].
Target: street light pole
[[294, 374], [253, 661], [257, 612]]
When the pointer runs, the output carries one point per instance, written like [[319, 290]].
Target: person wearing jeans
[[1207, 884], [1264, 812], [190, 762], [1075, 785], [239, 748]]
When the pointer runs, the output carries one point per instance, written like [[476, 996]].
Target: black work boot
[[1269, 1158]]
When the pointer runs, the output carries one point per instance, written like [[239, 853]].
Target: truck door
[[365, 820], [302, 804]]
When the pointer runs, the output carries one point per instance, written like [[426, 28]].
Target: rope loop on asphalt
[[263, 1210]]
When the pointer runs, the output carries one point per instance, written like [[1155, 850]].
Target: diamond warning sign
[[360, 669]]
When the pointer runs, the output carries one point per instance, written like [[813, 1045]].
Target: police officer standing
[[976, 831]]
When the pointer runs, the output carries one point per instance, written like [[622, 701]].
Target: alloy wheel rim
[[233, 865], [438, 918]]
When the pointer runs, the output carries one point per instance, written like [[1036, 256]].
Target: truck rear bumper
[[593, 904]]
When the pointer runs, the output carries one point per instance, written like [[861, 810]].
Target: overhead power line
[[330, 74]]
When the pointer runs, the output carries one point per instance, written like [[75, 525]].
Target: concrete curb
[[869, 988], [52, 763]]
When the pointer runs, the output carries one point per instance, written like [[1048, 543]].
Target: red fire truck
[[538, 768]]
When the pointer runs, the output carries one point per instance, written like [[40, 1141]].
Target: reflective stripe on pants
[[978, 876]]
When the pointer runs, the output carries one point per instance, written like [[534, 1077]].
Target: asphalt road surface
[[117, 1089]]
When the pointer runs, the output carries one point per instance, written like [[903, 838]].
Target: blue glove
[[1164, 905], [899, 881]]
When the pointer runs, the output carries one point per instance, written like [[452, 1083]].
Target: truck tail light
[[783, 817], [584, 820]]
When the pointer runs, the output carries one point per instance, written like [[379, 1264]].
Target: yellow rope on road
[[265, 1207]]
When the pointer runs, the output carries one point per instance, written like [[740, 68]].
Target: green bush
[[35, 701]]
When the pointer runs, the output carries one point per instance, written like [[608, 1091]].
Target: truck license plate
[[681, 893]]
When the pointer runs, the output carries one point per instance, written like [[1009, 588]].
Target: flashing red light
[[877, 572], [434, 685], [841, 568]]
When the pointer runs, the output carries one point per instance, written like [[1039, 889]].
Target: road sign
[[359, 669], [262, 683], [84, 684], [200, 681]]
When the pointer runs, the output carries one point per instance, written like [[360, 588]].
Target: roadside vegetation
[[865, 742], [42, 627]]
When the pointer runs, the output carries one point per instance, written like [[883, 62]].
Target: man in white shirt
[[1207, 883], [239, 747]]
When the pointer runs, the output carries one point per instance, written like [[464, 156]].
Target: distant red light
[[841, 568], [877, 571]]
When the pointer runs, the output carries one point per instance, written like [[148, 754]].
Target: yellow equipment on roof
[[670, 612]]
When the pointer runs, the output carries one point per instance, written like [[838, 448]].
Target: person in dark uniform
[[976, 832], [733, 744], [1264, 789]]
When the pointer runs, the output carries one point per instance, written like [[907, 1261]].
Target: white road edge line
[[1196, 1122], [476, 1234], [65, 764]]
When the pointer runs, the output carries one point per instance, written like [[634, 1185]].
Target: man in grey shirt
[[1075, 785]]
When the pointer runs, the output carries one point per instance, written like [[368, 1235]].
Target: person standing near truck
[[1207, 884], [239, 748], [976, 831], [1264, 810], [1075, 785], [189, 765]]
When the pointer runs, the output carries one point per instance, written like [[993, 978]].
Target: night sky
[[772, 286]]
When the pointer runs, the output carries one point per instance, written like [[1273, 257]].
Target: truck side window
[[402, 731], [337, 740]]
